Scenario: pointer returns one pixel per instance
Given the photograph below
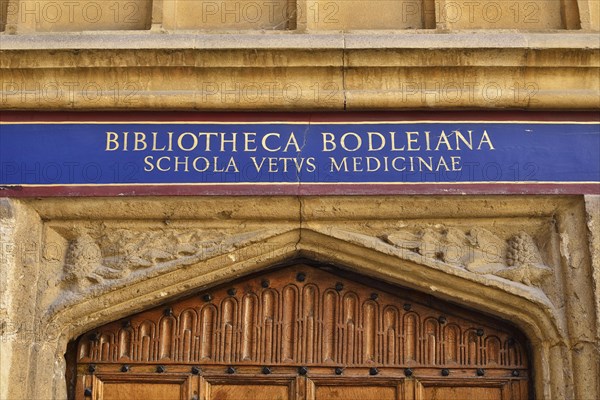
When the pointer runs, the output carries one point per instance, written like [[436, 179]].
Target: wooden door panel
[[141, 387], [135, 391], [242, 392], [357, 392], [248, 387], [464, 389], [354, 388], [465, 393]]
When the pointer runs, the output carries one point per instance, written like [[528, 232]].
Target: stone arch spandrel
[[528, 310], [116, 303]]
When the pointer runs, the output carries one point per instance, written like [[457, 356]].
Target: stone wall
[[21, 16]]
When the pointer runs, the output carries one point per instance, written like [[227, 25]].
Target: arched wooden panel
[[278, 319], [305, 333]]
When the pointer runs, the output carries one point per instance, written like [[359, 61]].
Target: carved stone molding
[[477, 250], [121, 254], [97, 262]]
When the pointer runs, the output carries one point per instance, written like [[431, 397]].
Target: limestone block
[[590, 14], [500, 87], [216, 86], [80, 15], [20, 249], [3, 14], [592, 206], [357, 14], [500, 14], [7, 263], [229, 14]]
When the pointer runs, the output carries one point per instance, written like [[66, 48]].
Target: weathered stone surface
[[350, 15], [87, 15], [57, 16], [229, 15], [517, 14], [592, 207], [300, 72], [20, 241]]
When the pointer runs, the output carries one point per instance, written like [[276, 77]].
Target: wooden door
[[304, 333]]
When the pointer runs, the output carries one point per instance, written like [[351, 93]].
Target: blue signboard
[[160, 154]]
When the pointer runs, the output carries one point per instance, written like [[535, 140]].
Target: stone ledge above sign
[[350, 71]]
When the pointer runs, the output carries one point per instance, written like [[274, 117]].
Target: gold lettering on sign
[[408, 141], [355, 151]]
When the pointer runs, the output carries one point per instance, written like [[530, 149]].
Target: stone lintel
[[425, 39]]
